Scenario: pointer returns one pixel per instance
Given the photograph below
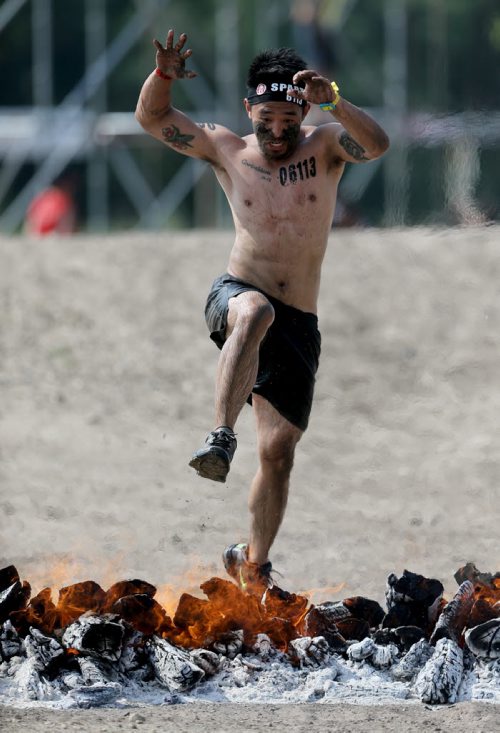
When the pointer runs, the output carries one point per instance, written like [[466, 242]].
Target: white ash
[[151, 671], [440, 678]]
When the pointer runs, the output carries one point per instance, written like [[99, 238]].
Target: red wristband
[[160, 73]]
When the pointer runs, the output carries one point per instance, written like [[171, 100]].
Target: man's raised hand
[[318, 89], [171, 60]]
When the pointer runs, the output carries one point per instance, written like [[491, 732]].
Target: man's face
[[277, 127]]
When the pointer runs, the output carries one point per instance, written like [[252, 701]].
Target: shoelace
[[223, 438]]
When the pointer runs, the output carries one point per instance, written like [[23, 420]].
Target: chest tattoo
[[296, 172], [265, 173]]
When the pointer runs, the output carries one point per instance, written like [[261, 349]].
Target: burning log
[[439, 680], [229, 644], [134, 661], [143, 613], [14, 598], [126, 588], [262, 646], [470, 572], [308, 652], [403, 636], [42, 652], [173, 667], [10, 642], [96, 671], [412, 600], [454, 615], [99, 636], [484, 640], [413, 661], [380, 656], [361, 650], [319, 621], [206, 660]]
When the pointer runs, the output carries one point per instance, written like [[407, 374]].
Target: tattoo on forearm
[[210, 125], [266, 174], [173, 136], [354, 149]]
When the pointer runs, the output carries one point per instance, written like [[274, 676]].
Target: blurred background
[[427, 70]]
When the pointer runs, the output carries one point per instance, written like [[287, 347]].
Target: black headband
[[274, 91]]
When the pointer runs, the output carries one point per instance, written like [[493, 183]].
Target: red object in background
[[52, 210]]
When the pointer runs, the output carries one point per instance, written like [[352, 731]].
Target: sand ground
[[106, 387]]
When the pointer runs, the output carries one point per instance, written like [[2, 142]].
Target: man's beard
[[289, 138]]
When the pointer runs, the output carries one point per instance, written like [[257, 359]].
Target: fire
[[200, 622]]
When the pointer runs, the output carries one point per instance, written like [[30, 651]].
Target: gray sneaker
[[214, 459]]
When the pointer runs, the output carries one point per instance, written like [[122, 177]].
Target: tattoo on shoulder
[[265, 173], [354, 149], [208, 125], [173, 136]]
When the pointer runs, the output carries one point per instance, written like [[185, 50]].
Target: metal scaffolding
[[49, 137]]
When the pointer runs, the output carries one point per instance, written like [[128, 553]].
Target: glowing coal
[[93, 645]]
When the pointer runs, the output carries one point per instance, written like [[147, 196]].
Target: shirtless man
[[281, 184]]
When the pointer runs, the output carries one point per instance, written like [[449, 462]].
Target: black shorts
[[289, 353]]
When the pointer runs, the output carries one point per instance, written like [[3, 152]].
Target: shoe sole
[[210, 466]]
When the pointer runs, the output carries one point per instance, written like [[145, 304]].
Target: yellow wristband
[[329, 106]]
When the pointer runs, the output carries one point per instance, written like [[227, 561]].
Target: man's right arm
[[157, 116]]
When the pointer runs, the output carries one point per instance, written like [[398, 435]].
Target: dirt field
[[106, 388]]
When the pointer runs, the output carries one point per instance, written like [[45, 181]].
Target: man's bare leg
[[249, 317], [277, 438]]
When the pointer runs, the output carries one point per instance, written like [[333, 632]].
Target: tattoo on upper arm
[[209, 125], [173, 136], [354, 149]]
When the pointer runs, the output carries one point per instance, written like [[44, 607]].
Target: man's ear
[[248, 107]]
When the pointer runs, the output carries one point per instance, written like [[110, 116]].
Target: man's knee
[[277, 455], [254, 314]]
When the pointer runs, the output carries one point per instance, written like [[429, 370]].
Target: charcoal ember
[[14, 598], [470, 572], [126, 588], [384, 655], [97, 671], [10, 642], [39, 613], [100, 636], [173, 667], [484, 640], [206, 660], [8, 576], [262, 646], [454, 615], [352, 628], [483, 611], [99, 688], [403, 636], [134, 661], [412, 600], [84, 596], [361, 650], [143, 613], [30, 681], [365, 609], [279, 603], [309, 652], [318, 621], [413, 661], [440, 678], [229, 644], [44, 650]]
